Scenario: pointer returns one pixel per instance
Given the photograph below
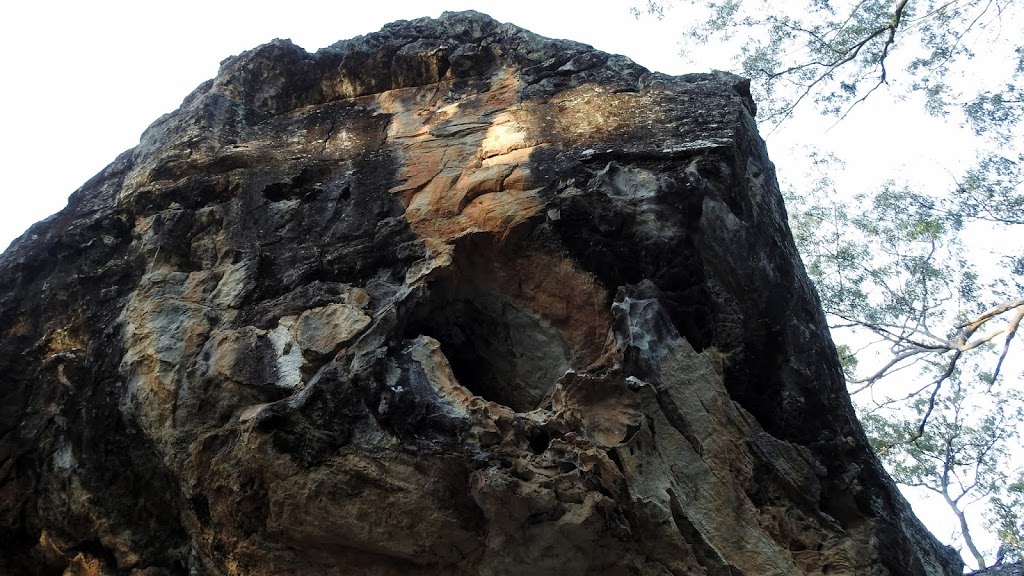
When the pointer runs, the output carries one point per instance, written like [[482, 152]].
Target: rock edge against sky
[[450, 298]]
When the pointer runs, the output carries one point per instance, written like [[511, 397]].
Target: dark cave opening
[[539, 441], [497, 349]]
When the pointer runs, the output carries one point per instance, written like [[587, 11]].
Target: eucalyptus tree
[[923, 328]]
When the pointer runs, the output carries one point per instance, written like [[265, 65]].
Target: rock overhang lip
[[347, 57]]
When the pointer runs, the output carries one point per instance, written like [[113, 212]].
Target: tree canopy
[[923, 285]]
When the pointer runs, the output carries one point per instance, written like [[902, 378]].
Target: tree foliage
[[959, 460], [923, 286], [835, 54], [1007, 518], [893, 265]]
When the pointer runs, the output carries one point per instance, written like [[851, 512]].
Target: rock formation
[[451, 298]]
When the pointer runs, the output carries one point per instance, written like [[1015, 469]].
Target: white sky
[[82, 80]]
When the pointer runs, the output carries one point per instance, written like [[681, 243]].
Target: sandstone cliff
[[450, 298]]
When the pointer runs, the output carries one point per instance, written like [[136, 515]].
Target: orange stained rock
[[444, 186], [461, 175]]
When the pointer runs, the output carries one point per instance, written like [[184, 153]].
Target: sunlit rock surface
[[450, 298]]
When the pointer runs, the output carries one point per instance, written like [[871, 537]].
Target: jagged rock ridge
[[451, 298]]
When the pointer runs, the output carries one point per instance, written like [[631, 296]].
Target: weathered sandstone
[[450, 298]]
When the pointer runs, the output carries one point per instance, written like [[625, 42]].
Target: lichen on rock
[[450, 298]]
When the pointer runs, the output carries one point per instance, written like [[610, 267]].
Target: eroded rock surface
[[450, 298]]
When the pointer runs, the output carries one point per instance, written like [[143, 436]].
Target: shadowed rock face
[[450, 298]]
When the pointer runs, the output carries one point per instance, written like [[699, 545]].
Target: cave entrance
[[497, 349]]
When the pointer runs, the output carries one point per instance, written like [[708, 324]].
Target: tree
[[1007, 517], [922, 327], [834, 55], [959, 459]]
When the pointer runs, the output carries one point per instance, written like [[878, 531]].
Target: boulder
[[450, 298]]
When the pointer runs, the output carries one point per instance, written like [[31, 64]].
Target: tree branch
[[992, 312], [1011, 331]]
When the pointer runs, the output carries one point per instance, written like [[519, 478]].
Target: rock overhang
[[537, 303]]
